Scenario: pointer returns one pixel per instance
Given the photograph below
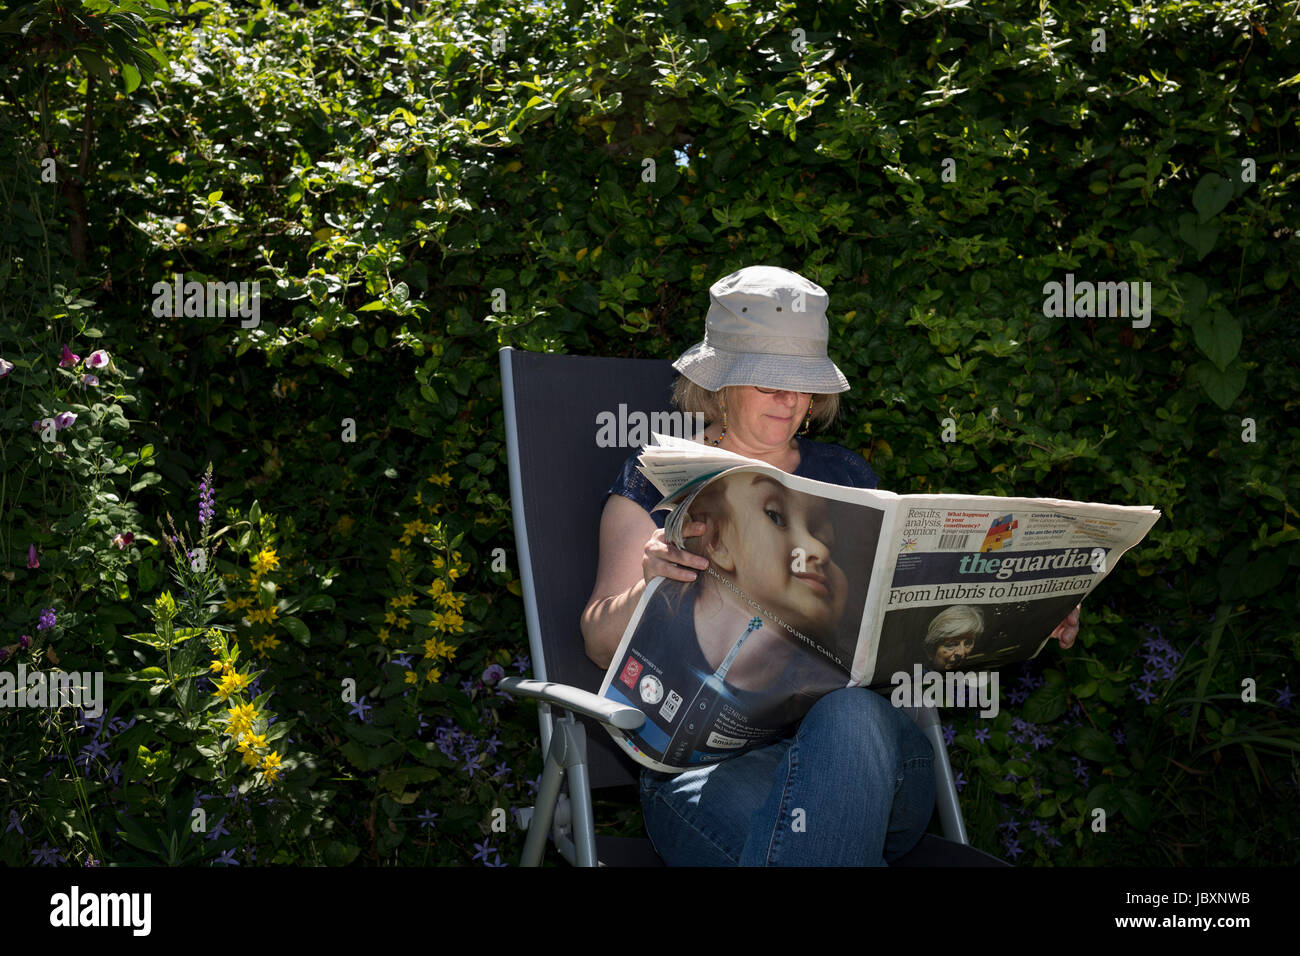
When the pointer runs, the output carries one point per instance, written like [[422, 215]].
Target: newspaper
[[812, 587]]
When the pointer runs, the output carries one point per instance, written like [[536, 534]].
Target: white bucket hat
[[766, 326]]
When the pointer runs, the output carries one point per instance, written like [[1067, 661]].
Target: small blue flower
[[426, 818], [361, 709], [482, 851], [218, 830], [1284, 696], [15, 823], [227, 858], [949, 734], [982, 735]]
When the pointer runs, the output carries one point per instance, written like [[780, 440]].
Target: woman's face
[[764, 416], [767, 522], [953, 651]]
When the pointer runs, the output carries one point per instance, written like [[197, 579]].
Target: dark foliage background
[[415, 187]]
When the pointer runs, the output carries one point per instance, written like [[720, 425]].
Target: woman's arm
[[632, 552]]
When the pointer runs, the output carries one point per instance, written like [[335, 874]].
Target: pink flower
[[97, 359], [5, 368], [64, 420], [122, 540], [31, 557], [68, 359], [89, 380]]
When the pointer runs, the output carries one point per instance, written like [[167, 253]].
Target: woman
[[854, 784]]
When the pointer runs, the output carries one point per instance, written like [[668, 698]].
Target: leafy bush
[[414, 190]]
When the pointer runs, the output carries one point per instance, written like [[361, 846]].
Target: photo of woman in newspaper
[[716, 663], [965, 637]]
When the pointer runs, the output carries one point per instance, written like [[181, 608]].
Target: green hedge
[[412, 199]]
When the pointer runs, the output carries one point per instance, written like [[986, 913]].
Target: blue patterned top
[[820, 461]]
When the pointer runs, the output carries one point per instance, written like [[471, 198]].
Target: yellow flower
[[453, 573], [401, 623], [447, 650], [418, 499], [255, 740], [384, 635], [241, 719], [344, 526], [266, 561], [263, 616], [251, 758], [432, 674], [216, 666], [412, 528], [271, 765], [437, 588], [453, 602], [396, 555], [442, 480], [431, 647], [410, 677], [390, 617]]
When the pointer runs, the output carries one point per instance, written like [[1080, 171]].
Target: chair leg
[[584, 827], [548, 795]]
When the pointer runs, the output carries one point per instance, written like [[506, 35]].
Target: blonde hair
[[692, 398]]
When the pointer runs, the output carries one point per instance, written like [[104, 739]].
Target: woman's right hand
[[664, 559]]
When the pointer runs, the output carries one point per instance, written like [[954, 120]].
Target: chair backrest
[[558, 478]]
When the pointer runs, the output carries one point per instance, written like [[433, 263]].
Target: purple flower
[[219, 830], [467, 686], [1145, 694], [493, 673], [404, 661], [1080, 771], [89, 379], [1119, 737], [426, 818], [91, 861], [960, 781], [64, 419], [5, 368], [522, 662], [47, 856], [483, 849], [496, 862], [206, 511], [31, 557], [1013, 849], [982, 735], [47, 620], [15, 823], [1039, 828], [949, 734], [24, 641], [122, 540], [362, 710], [1284, 696], [228, 858], [68, 359], [97, 359]]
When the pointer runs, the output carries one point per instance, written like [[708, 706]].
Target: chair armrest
[[577, 700]]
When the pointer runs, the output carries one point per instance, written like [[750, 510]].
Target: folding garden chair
[[558, 478]]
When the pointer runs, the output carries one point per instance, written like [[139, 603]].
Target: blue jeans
[[854, 786]]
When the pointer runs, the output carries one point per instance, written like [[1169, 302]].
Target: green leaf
[[1047, 703], [317, 602], [1219, 337], [1092, 744], [131, 77], [1211, 195], [1223, 386], [297, 629], [1197, 235]]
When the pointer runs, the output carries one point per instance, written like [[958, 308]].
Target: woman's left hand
[[1068, 629]]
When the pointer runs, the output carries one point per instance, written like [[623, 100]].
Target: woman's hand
[[664, 559], [1068, 629]]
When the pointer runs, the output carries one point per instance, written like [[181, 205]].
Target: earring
[[718, 441], [807, 421]]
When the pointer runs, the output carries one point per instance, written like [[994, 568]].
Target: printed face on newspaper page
[[712, 662]]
